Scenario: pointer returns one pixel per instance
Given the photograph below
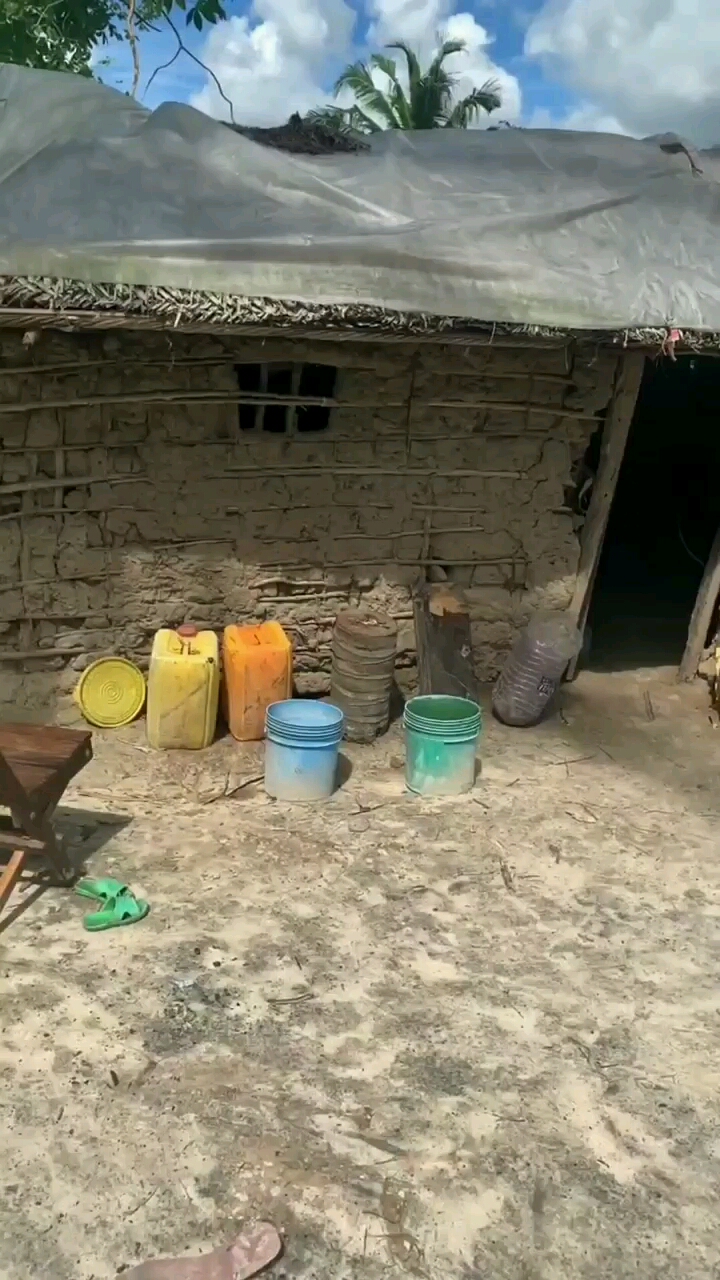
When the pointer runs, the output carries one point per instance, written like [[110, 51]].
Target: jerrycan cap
[[187, 631]]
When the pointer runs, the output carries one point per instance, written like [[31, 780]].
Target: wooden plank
[[612, 450], [702, 614], [10, 839], [33, 778], [443, 642], [41, 744]]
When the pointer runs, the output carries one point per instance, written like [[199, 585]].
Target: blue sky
[[634, 66], [505, 23]]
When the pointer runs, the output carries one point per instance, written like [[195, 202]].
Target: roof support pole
[[612, 450], [702, 613]]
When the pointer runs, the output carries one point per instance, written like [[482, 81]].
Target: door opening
[[664, 517]]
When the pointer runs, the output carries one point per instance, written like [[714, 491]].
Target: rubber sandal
[[254, 1250], [124, 909], [101, 890]]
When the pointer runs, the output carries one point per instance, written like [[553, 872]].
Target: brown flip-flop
[[252, 1251]]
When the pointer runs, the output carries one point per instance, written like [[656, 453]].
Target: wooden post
[[612, 449], [702, 614], [443, 643], [11, 875]]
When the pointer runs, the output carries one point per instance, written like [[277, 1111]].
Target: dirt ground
[[474, 1039]]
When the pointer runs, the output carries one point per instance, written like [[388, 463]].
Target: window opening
[[314, 381], [249, 380], [279, 383]]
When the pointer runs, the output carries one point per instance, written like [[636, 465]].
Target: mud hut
[[321, 380]]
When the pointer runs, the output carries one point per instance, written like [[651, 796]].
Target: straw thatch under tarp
[[46, 302]]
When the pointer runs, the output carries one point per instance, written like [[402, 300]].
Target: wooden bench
[[36, 764]]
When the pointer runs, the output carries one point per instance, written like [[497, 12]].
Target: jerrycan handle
[[187, 633]]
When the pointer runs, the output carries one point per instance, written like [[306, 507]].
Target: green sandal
[[102, 890], [121, 910]]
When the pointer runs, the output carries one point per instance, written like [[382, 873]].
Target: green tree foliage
[[61, 35], [427, 103]]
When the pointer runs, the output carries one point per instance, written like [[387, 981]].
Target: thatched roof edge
[[50, 303]]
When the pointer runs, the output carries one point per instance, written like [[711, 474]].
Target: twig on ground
[[141, 1203], [279, 1000], [506, 874], [582, 813], [553, 764], [393, 896], [258, 777], [226, 794], [649, 708], [380, 1144], [585, 1051]]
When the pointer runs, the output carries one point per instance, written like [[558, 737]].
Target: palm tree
[[427, 104]]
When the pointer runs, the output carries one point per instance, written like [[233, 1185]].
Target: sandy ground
[[472, 1039]]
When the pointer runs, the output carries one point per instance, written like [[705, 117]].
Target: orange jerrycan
[[257, 662]]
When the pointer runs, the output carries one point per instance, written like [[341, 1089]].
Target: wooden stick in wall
[[334, 469], [228, 360], [264, 398], [467, 437], [65, 482]]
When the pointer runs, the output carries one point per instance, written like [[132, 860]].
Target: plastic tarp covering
[[513, 226]]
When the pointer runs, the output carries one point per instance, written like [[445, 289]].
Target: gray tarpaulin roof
[[522, 227]]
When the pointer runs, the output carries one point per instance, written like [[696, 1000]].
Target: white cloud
[[475, 66], [272, 62], [283, 56], [423, 24], [419, 22], [585, 119], [650, 66]]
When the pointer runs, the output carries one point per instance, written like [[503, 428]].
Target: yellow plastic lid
[[111, 692]]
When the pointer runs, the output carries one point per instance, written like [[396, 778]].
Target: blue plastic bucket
[[441, 737], [301, 749]]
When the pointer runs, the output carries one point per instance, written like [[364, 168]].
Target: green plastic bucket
[[441, 737]]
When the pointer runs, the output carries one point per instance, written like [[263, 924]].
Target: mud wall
[[128, 501]]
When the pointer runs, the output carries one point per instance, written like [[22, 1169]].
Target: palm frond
[[396, 96], [345, 120], [439, 85], [414, 71], [385, 64], [358, 79], [361, 122], [447, 48], [329, 117], [462, 114], [427, 105]]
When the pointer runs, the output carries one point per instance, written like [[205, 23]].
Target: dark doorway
[[664, 516]]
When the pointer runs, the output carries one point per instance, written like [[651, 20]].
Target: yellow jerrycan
[[182, 689]]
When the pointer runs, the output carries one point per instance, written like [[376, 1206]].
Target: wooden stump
[[443, 643]]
